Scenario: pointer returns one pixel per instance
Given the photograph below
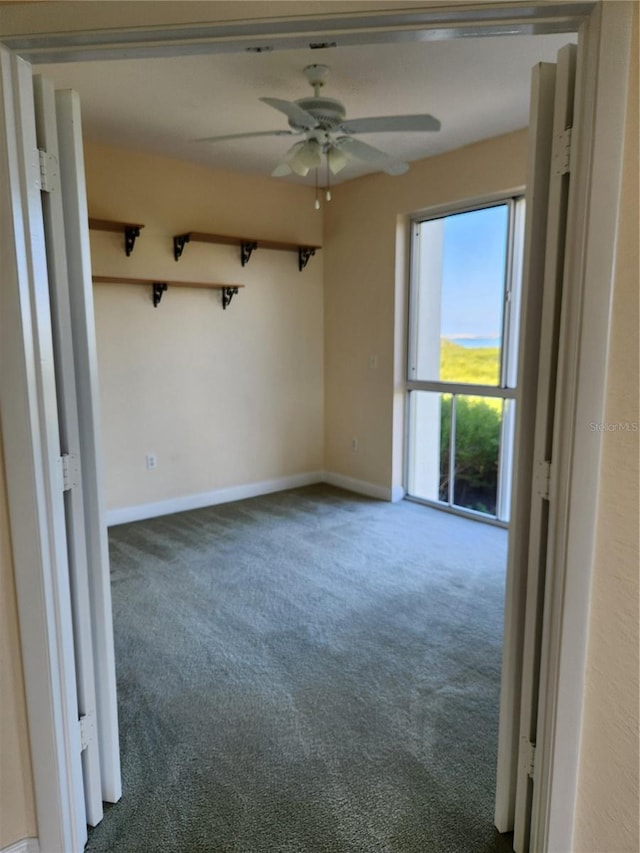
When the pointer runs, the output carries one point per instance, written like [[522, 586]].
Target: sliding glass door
[[463, 351]]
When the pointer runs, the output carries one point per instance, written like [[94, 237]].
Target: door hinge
[[49, 172], [87, 727], [528, 757], [542, 479], [562, 152], [69, 471]]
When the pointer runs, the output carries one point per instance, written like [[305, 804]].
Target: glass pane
[[430, 418], [445, 447], [478, 426], [461, 267]]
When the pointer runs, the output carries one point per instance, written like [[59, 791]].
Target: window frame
[[507, 386]]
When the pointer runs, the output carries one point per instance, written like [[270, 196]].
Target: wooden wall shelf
[[131, 230], [159, 286], [247, 246]]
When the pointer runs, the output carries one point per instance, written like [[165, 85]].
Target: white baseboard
[[27, 845], [362, 487], [139, 512], [397, 494], [204, 499]]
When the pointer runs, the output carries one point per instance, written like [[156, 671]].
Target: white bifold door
[[49, 407], [520, 779]]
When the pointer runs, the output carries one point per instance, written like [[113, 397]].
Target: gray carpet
[[307, 672]]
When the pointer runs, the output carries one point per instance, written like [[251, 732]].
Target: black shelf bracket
[[227, 295], [246, 248], [179, 242], [159, 287], [130, 234], [304, 253]]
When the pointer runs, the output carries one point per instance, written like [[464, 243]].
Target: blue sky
[[475, 246]]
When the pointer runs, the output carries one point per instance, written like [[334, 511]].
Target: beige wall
[[17, 819], [223, 398], [607, 818], [366, 240]]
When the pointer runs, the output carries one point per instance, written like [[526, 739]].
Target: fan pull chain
[[316, 203], [327, 194]]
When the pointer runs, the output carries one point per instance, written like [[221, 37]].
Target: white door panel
[[85, 359], [31, 431], [541, 534], [551, 119], [537, 195], [47, 134], [42, 404]]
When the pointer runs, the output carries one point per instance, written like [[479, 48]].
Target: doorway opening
[[587, 208]]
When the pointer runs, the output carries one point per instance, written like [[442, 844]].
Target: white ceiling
[[477, 87]]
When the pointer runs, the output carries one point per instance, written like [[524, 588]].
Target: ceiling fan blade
[[298, 116], [369, 154], [385, 124], [246, 135], [282, 169]]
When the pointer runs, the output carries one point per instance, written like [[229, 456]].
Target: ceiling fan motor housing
[[328, 112]]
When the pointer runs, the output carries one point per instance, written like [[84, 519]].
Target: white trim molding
[[26, 845], [397, 494], [115, 39], [139, 512]]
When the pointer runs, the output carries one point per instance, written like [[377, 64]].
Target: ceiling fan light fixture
[[290, 163], [336, 159], [310, 154], [299, 169]]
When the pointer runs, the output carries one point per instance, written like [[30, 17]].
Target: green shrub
[[477, 453]]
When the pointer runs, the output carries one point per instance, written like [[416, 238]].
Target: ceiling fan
[[322, 123]]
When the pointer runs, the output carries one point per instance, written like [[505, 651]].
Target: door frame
[[602, 74], [603, 65]]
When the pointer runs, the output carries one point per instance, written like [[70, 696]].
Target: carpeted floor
[[307, 672]]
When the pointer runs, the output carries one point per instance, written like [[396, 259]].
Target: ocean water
[[476, 343]]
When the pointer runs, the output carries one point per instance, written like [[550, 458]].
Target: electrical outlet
[[152, 462], [354, 445]]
